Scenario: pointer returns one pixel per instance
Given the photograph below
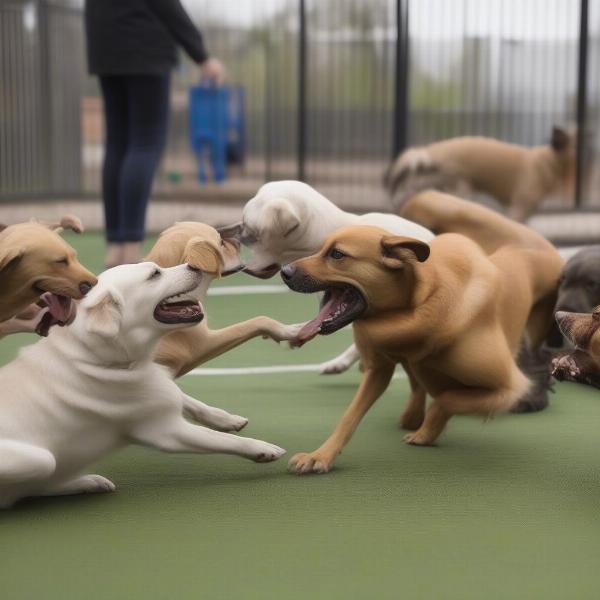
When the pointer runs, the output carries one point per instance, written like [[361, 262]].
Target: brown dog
[[34, 261], [583, 364], [518, 177], [202, 247], [451, 314], [444, 213]]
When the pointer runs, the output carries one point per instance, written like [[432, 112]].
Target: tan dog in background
[[34, 260], [451, 314], [202, 247], [518, 177]]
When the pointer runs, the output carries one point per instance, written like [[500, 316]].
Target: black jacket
[[139, 36]]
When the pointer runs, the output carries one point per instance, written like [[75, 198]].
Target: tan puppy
[[518, 177], [202, 247], [34, 260], [582, 365], [452, 315]]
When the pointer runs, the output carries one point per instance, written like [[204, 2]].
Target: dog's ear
[[560, 139], [396, 251], [283, 216], [10, 257], [231, 231], [203, 255], [104, 314], [67, 222]]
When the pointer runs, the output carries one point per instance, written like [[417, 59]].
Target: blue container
[[217, 128]]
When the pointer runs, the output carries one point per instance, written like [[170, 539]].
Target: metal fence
[[334, 88]]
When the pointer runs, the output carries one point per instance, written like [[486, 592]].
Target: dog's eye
[[336, 254], [156, 273], [62, 261]]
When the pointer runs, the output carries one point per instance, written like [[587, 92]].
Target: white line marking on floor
[[240, 290], [309, 368]]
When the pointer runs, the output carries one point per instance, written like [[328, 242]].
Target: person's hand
[[213, 70]]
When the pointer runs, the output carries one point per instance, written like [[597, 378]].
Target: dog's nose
[[85, 287], [287, 272], [193, 268]]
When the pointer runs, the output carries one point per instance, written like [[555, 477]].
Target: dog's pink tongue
[[61, 308], [312, 328]]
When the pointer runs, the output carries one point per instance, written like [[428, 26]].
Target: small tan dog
[[451, 314], [518, 177], [203, 247], [35, 260], [582, 365]]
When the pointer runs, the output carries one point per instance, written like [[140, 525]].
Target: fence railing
[[334, 89]]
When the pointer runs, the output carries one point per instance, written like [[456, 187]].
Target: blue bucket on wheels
[[217, 128]]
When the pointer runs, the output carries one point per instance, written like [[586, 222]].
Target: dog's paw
[[418, 438], [412, 420], [264, 452], [95, 484], [564, 366], [215, 418], [309, 462], [285, 333], [223, 421], [236, 423], [334, 366]]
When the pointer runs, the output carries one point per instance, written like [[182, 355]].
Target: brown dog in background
[[518, 177], [36, 261], [202, 247], [582, 365], [453, 314]]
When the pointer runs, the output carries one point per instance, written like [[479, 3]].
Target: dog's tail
[[412, 172], [412, 161]]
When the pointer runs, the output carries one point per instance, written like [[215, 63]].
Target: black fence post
[[400, 140], [581, 99], [268, 108], [45, 82], [302, 120]]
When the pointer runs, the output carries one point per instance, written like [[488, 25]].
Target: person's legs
[[114, 94], [148, 105]]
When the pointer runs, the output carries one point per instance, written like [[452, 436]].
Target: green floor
[[508, 509]]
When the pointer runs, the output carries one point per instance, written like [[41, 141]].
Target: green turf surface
[[507, 509]]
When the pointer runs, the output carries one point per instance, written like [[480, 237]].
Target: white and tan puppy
[[289, 220], [93, 387], [201, 246]]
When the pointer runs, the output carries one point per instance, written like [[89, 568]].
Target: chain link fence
[[325, 68]]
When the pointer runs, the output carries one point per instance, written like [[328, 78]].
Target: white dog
[[91, 388], [288, 220]]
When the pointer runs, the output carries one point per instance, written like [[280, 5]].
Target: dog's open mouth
[[340, 306], [177, 309], [61, 312]]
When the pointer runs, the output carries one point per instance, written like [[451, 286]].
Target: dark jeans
[[136, 109]]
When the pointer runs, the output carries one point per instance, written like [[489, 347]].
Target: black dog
[[579, 288]]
